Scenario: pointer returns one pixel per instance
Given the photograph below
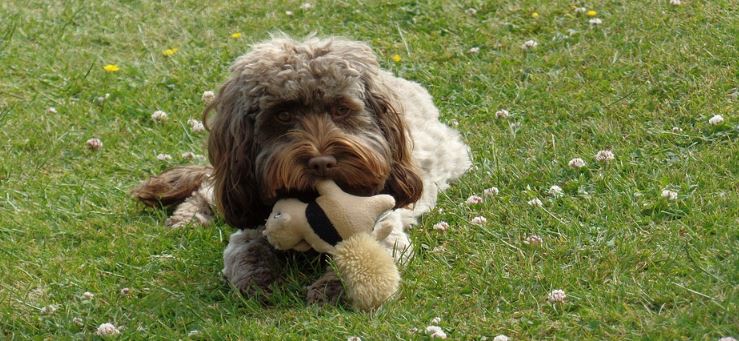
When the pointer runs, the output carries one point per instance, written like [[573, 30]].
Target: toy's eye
[[277, 215], [284, 117]]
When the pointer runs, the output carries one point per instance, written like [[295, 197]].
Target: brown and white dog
[[293, 112]]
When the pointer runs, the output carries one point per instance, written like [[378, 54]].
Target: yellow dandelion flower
[[592, 13], [396, 58], [170, 52], [535, 15], [111, 68], [236, 35]]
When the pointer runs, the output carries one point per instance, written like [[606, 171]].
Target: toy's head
[[284, 224]]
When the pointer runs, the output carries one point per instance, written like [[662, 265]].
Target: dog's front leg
[[250, 263], [326, 290]]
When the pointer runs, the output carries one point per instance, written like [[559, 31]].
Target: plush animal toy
[[341, 225]]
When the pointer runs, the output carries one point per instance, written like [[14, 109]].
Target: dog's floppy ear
[[405, 183], [231, 151]]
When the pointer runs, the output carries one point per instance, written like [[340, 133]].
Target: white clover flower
[[94, 144], [727, 338], [716, 120], [435, 332], [354, 338], [555, 191], [36, 294], [479, 220], [289, 13], [470, 11], [669, 195], [306, 6], [441, 226], [159, 116], [436, 320], [125, 291], [557, 296], [78, 321], [188, 155], [107, 329], [490, 192], [677, 130], [500, 337], [439, 249], [196, 125], [502, 113], [533, 240], [535, 202], [208, 97], [577, 163], [164, 157], [101, 99], [51, 110], [474, 50], [455, 122], [474, 200], [595, 21], [580, 10], [529, 44], [676, 2], [49, 309], [605, 156], [87, 295]]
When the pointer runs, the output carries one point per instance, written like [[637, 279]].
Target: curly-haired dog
[[294, 112]]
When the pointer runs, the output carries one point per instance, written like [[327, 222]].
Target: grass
[[633, 264]]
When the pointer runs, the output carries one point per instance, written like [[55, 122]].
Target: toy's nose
[[322, 164]]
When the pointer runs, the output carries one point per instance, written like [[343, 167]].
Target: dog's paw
[[251, 265], [198, 219], [194, 210], [326, 290]]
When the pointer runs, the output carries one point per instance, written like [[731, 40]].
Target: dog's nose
[[322, 164]]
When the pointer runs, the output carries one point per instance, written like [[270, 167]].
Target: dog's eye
[[341, 111], [284, 117]]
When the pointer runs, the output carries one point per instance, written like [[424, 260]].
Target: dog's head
[[296, 112]]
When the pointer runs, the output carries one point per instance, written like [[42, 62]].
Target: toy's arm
[[383, 230], [381, 203], [327, 187]]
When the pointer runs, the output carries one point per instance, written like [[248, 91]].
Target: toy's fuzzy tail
[[369, 273]]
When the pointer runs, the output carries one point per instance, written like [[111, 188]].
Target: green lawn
[[634, 265]]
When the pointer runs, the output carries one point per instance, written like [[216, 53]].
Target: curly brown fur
[[288, 102], [171, 187]]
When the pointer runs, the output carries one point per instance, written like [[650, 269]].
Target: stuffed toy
[[341, 225]]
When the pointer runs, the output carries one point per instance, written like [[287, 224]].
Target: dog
[[291, 113]]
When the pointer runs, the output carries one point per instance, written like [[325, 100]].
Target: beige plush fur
[[288, 228], [368, 271], [369, 274]]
